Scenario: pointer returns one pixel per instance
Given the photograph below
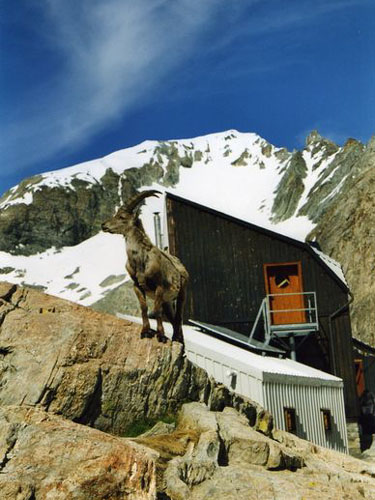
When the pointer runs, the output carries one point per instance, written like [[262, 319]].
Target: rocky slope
[[63, 365], [93, 368], [323, 192]]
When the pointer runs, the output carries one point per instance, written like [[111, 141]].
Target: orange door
[[359, 376], [282, 280]]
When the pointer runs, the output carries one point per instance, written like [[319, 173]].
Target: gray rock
[[346, 232], [290, 188], [64, 216]]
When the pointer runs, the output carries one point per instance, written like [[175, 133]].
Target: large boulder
[[224, 438], [45, 456]]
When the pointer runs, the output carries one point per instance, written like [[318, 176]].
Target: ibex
[[155, 273]]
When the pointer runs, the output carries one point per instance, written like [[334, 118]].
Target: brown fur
[[155, 273]]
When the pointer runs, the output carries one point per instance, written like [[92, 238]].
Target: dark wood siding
[[225, 258]]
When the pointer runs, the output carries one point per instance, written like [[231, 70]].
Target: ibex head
[[127, 215]]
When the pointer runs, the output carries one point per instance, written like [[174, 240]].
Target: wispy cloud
[[267, 18], [114, 54]]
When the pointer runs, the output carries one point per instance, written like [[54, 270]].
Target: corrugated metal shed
[[276, 384]]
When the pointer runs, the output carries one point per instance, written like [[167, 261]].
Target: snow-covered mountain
[[50, 223], [238, 173]]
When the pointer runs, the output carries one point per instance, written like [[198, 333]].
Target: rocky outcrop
[[93, 368], [59, 215], [224, 438], [291, 184], [340, 173], [208, 455], [45, 456], [346, 232], [218, 455], [68, 213]]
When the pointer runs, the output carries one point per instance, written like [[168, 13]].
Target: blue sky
[[80, 79]]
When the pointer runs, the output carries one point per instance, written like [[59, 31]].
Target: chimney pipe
[[157, 228]]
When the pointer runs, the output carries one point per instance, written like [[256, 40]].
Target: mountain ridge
[[70, 191]]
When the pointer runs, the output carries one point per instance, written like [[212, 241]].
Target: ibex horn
[[138, 198]]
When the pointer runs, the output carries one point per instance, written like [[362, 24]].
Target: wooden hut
[[261, 288]]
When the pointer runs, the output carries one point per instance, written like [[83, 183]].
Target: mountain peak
[[313, 137]]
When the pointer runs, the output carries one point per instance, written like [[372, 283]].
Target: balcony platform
[[295, 329]]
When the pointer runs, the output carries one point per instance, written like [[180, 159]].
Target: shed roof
[[331, 266]]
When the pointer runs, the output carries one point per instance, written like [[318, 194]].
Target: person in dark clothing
[[367, 418]]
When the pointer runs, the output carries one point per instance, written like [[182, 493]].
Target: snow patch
[[332, 264], [72, 273], [26, 199]]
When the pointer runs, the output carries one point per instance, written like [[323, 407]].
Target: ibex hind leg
[[169, 312], [174, 319], [148, 334], [146, 329], [177, 323]]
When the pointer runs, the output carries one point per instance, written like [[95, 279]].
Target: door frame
[[299, 298]]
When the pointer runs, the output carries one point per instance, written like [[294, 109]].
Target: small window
[[282, 279], [327, 419], [290, 419]]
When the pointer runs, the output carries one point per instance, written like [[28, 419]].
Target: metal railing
[[302, 320]]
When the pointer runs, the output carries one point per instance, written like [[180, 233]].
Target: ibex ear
[[137, 211], [120, 210]]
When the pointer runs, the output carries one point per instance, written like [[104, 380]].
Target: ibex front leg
[[146, 329], [158, 303]]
